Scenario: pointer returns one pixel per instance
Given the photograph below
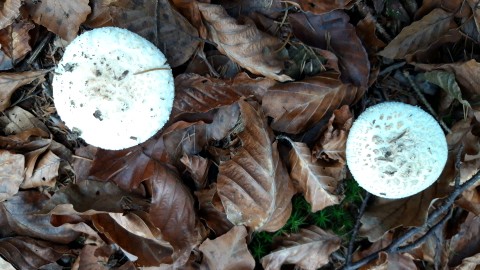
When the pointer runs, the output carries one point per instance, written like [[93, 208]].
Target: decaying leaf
[[14, 40], [320, 7], [215, 219], [10, 82], [310, 248], [466, 242], [243, 42], [297, 106], [17, 120], [197, 166], [317, 183], [60, 17], [420, 35], [228, 251], [10, 9], [11, 173], [254, 185], [45, 172]]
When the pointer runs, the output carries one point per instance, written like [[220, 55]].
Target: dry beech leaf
[[29, 253], [45, 172], [93, 258], [307, 249], [320, 7], [189, 9], [317, 183], [16, 120], [10, 82], [332, 31], [253, 185], [172, 211], [91, 197], [14, 40], [269, 8], [252, 49], [215, 219], [332, 145], [197, 167], [150, 250], [466, 242], [10, 9], [470, 263], [18, 217], [11, 173], [60, 17], [297, 106], [228, 252], [420, 35]]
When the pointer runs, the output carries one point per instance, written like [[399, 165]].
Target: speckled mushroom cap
[[395, 150], [113, 87]]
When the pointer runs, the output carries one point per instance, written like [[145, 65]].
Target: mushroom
[[395, 150], [113, 87]]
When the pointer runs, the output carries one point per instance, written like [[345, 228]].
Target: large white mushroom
[[395, 150], [113, 87]]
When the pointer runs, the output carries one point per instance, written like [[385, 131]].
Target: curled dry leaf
[[229, 251], [244, 43], [10, 9], [320, 7], [317, 183], [215, 219], [29, 253], [17, 120], [332, 31], [420, 35], [197, 167], [11, 173], [10, 82], [297, 106], [14, 40], [332, 145], [307, 249], [253, 185], [45, 172], [60, 17]]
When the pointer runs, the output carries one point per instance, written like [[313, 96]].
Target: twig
[[424, 101], [395, 246], [355, 230]]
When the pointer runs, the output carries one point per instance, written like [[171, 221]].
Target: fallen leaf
[[29, 253], [297, 106], [15, 40], [332, 145], [25, 141], [215, 219], [17, 120], [197, 167], [470, 263], [310, 248], [11, 173], [253, 185], [466, 242], [10, 10], [10, 82], [236, 8], [189, 9], [60, 17], [420, 34], [316, 7], [90, 258], [45, 172], [332, 31], [243, 42], [229, 251], [317, 183]]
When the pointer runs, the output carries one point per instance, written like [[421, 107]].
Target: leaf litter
[[250, 172]]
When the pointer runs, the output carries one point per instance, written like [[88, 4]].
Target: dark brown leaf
[[197, 167], [253, 185], [310, 248], [60, 17], [297, 106], [228, 251], [14, 40], [466, 242], [236, 8], [320, 7], [243, 42], [11, 173], [9, 10], [332, 31], [10, 82], [215, 219], [91, 259]]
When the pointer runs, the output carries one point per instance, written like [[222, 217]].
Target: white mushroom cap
[[395, 150], [114, 87]]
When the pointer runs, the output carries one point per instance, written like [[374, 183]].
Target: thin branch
[[356, 228]]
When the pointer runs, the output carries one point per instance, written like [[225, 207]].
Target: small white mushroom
[[113, 87], [395, 150]]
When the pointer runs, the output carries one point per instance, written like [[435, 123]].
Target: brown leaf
[[25, 141], [172, 211], [215, 219], [307, 249], [29, 253], [60, 17], [16, 120], [197, 166], [254, 185], [420, 34], [14, 40], [11, 173], [297, 106], [466, 242], [90, 258], [189, 9], [134, 235], [229, 251], [317, 183], [45, 172], [321, 7], [270, 8], [243, 42], [470, 263], [10, 82], [9, 10], [332, 31], [332, 145]]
